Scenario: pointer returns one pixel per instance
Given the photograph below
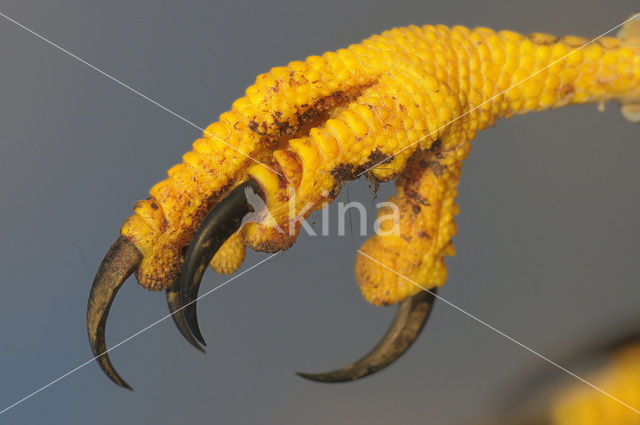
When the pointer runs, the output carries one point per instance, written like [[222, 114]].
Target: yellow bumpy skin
[[407, 103], [582, 405]]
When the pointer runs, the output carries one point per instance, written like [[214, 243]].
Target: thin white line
[[134, 335], [503, 334], [114, 79], [501, 93]]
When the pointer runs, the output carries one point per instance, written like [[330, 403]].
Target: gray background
[[546, 248]]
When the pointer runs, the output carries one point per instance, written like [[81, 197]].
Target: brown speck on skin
[[377, 157], [335, 190], [435, 147], [411, 192], [374, 184], [274, 246], [307, 116], [436, 168], [343, 172], [255, 127], [336, 94], [567, 90], [285, 128], [347, 172]]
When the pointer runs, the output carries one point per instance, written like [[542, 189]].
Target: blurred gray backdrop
[[547, 244]]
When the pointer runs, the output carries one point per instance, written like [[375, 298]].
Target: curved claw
[[120, 261], [175, 307], [222, 222], [410, 318]]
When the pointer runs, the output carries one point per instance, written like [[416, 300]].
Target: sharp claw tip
[[195, 344], [121, 383], [195, 330]]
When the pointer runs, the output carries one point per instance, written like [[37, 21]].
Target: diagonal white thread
[[637, 15], [503, 334], [114, 79], [133, 336]]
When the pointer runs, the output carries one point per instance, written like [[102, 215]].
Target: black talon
[[410, 318], [175, 307], [120, 261], [222, 222]]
